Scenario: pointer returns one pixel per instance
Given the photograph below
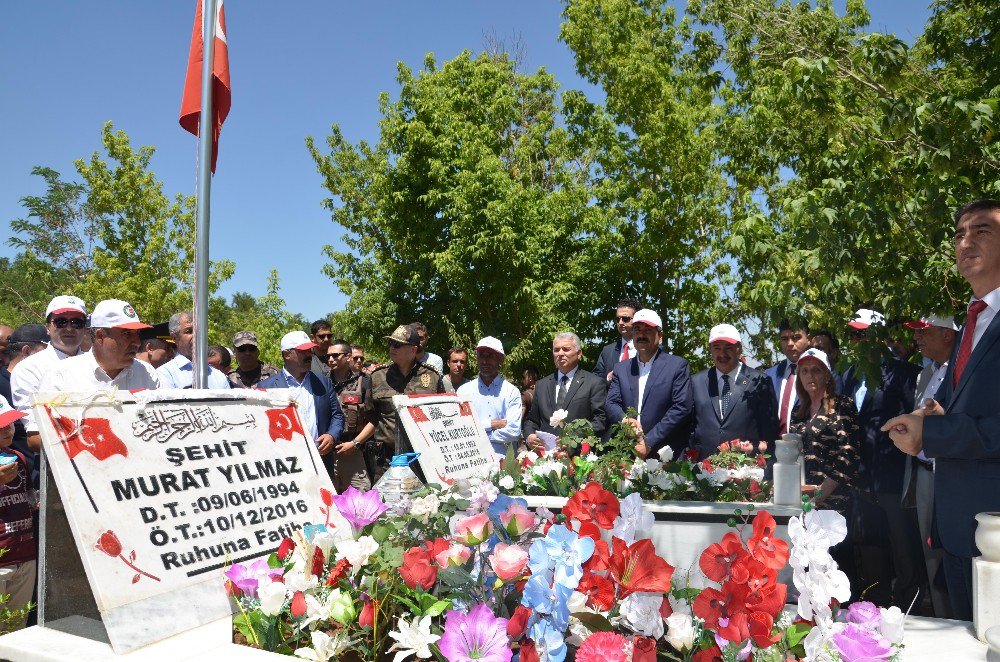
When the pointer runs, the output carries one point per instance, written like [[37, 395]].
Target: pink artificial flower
[[604, 647], [453, 555], [746, 446], [473, 530], [509, 561], [761, 446], [724, 446], [517, 519]]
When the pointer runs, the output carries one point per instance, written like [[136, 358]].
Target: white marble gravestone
[[161, 491]]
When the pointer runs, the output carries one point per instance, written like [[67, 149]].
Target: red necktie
[[786, 396], [965, 349], [625, 353]]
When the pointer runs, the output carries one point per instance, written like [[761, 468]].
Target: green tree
[[472, 212]]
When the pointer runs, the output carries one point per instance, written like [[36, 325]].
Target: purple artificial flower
[[478, 635], [359, 508], [865, 614], [855, 643], [248, 577]]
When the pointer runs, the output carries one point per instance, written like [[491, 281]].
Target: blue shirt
[[499, 399], [179, 373]]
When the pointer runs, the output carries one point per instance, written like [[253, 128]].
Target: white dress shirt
[[569, 379], [644, 369], [82, 374], [986, 316], [179, 373], [26, 378], [497, 400], [733, 374]]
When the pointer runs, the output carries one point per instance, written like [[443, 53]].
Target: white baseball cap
[[489, 342], [864, 318], [647, 317], [944, 321], [296, 340], [815, 355], [8, 414], [115, 314], [65, 304], [724, 332]]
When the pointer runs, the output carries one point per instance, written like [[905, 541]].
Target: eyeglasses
[[324, 336], [335, 355], [357, 358], [624, 318], [395, 345], [246, 348], [75, 322]]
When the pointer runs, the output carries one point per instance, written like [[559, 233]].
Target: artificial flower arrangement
[[734, 474], [482, 577]]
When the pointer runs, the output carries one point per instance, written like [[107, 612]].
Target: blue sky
[[297, 67]]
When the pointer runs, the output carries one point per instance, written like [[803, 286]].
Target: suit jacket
[[752, 415], [666, 401], [329, 416], [965, 444], [882, 464], [608, 358], [584, 400]]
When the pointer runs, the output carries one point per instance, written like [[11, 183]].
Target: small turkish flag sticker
[[283, 423], [94, 435]]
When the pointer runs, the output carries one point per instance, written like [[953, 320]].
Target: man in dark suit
[[314, 394], [623, 348], [578, 392], [793, 340], [879, 397], [731, 400], [657, 385], [962, 433]]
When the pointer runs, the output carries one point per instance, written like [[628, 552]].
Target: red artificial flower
[[643, 649], [603, 647], [637, 568], [754, 488], [283, 423], [713, 604], [366, 618], [708, 655], [285, 548], [298, 609], [718, 558], [436, 546], [761, 625], [528, 651], [706, 464], [598, 561], [339, 570], [318, 562], [763, 545], [593, 504], [692, 455], [737, 629], [769, 600], [599, 590], [585, 448], [518, 623], [724, 446], [666, 609], [761, 461], [418, 568]]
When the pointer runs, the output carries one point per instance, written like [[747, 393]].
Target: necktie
[[726, 395], [965, 349], [563, 387], [786, 396], [625, 352]]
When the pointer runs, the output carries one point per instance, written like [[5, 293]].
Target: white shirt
[[304, 401], [732, 382], [569, 379], [26, 378], [986, 316], [498, 399], [179, 373], [631, 351], [81, 373], [644, 369], [937, 377]]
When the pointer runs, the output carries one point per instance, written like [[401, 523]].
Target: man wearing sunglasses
[[65, 322], [249, 370], [320, 334], [354, 391], [623, 348], [404, 374]]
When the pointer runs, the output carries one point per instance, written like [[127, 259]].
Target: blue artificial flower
[[562, 553], [549, 642], [310, 531], [550, 600]]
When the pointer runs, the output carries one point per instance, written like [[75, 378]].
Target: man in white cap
[[657, 385], [314, 394], [179, 371], [935, 337], [731, 399], [496, 401]]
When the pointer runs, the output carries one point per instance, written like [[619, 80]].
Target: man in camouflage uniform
[[354, 391], [249, 370], [402, 375]]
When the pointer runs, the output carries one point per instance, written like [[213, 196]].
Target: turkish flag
[[94, 436], [221, 88], [283, 423]]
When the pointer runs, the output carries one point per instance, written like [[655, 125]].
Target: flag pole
[[200, 351]]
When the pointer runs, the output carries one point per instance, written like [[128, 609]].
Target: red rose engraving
[[109, 543], [283, 423]]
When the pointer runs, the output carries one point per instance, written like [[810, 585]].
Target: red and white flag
[[221, 88]]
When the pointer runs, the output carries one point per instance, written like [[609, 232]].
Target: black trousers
[[958, 575], [908, 573]]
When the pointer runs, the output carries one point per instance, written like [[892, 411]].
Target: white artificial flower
[[577, 631], [481, 494], [558, 418], [424, 507], [324, 540], [892, 624], [817, 642], [299, 577], [545, 514], [665, 454], [680, 631], [641, 613], [357, 552], [665, 480], [812, 534], [530, 456], [717, 476], [591, 457], [752, 472], [633, 519], [272, 598], [817, 586], [324, 647], [413, 638], [507, 482], [545, 467], [315, 612]]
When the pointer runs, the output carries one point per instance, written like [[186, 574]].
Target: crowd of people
[[906, 447]]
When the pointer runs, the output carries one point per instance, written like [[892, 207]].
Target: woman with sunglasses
[[402, 375]]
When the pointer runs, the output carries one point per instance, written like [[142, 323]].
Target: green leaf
[[594, 622]]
